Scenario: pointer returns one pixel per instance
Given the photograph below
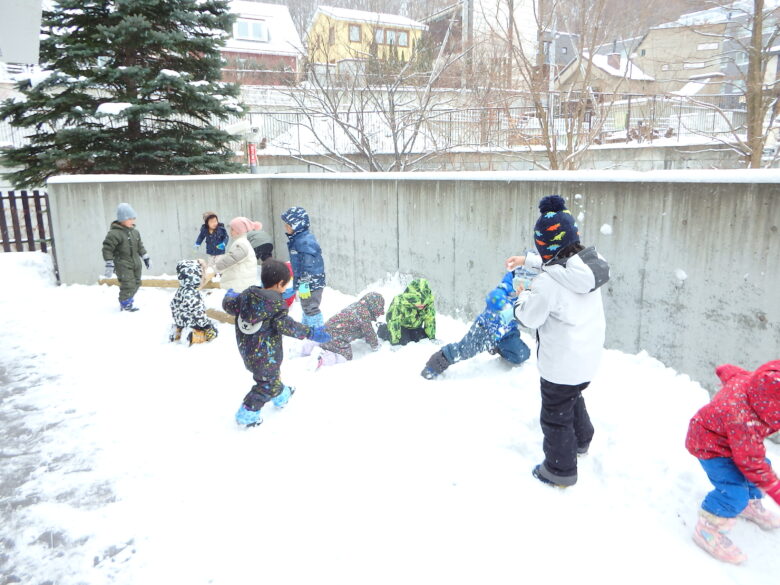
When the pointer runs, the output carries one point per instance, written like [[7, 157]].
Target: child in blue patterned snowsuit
[[494, 330], [307, 264], [261, 320]]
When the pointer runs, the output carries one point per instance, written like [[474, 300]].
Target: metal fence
[[605, 119]]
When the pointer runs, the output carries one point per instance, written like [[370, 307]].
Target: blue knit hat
[[555, 229], [124, 212], [496, 299]]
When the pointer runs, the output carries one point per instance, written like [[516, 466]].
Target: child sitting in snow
[[411, 316], [494, 330], [215, 234], [727, 435], [187, 306], [261, 320], [352, 323]]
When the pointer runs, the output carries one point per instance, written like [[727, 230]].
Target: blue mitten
[[319, 335], [231, 294], [221, 246]]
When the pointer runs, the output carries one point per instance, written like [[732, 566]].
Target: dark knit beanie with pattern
[[555, 229]]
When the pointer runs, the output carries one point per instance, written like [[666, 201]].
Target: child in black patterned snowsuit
[[352, 323], [187, 306], [261, 320]]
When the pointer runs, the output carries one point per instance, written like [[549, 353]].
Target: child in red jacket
[[727, 435]]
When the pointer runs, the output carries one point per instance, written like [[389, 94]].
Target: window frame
[[250, 24], [359, 29]]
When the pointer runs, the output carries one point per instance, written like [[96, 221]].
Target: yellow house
[[339, 34]]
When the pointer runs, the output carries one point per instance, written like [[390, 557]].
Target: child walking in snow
[[238, 267], [352, 323], [727, 436], [123, 252], [261, 320], [308, 265], [494, 330], [215, 235], [187, 306], [564, 306], [411, 316]]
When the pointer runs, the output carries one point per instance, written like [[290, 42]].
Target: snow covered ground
[[121, 463]]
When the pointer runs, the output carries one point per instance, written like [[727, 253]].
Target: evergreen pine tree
[[131, 86]]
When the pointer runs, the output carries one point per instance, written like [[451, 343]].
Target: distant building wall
[[694, 276]]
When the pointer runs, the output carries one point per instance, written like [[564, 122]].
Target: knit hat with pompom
[[555, 229]]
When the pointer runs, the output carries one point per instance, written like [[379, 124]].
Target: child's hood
[[763, 393], [581, 273], [297, 218], [374, 303], [189, 273], [418, 293], [257, 305]]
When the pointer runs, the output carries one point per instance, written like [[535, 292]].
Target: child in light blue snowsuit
[[494, 330], [307, 264]]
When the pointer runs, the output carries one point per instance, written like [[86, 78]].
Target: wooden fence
[[25, 223]]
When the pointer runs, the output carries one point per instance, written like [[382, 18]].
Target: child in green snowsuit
[[123, 252], [411, 316]]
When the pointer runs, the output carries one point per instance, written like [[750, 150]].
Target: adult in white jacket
[[238, 266], [564, 306]]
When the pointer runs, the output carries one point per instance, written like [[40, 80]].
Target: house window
[[354, 33], [389, 37], [331, 35], [403, 39], [693, 65], [564, 50], [707, 46], [379, 36], [642, 52], [664, 68], [251, 30]]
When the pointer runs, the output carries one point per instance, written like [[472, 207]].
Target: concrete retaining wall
[[693, 254]]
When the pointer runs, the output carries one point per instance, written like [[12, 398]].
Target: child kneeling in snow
[[494, 330], [261, 320], [411, 315], [187, 306], [727, 435], [352, 323]]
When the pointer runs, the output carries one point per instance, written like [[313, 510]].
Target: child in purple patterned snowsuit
[[352, 323], [261, 320]]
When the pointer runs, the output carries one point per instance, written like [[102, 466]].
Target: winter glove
[[231, 294], [773, 491], [304, 292], [109, 269], [288, 292], [221, 246], [147, 261], [319, 335], [521, 298]]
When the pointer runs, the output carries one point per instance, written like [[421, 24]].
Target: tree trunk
[[755, 88]]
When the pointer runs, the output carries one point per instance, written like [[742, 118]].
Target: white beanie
[[124, 212]]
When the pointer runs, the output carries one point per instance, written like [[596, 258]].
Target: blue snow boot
[[248, 418], [316, 320], [284, 397], [127, 305]]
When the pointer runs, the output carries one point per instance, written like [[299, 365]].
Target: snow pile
[[112, 108], [134, 471]]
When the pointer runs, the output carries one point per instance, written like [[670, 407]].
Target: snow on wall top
[[627, 68], [369, 17], [283, 37], [672, 176]]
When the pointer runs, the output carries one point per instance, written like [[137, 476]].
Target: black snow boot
[[437, 363]]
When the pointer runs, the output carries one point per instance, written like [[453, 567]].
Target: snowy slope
[[121, 463]]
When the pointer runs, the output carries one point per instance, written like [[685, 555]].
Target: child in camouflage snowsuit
[[123, 252], [308, 266], [187, 306], [411, 316], [261, 320], [494, 330], [352, 323]]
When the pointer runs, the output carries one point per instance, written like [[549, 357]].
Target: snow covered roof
[[283, 38], [369, 17], [627, 69], [719, 14]]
